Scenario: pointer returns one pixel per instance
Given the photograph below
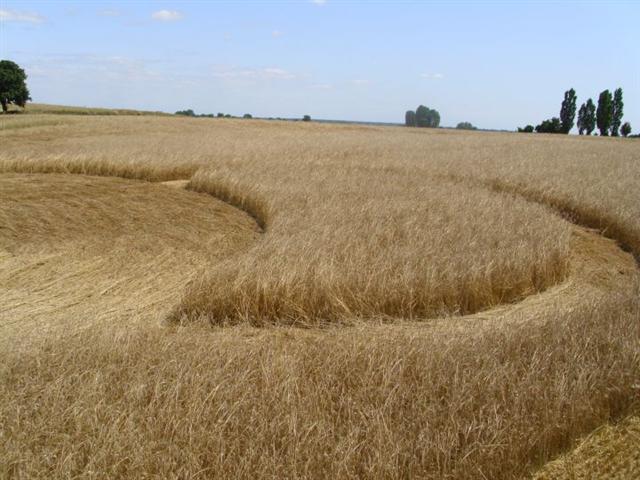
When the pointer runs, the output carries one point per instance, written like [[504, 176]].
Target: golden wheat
[[368, 231]]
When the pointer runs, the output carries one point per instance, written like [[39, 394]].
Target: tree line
[[190, 113], [607, 116]]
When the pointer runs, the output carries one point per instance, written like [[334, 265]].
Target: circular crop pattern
[[81, 249]]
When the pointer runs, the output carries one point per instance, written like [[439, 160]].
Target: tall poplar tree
[[617, 112], [582, 119], [590, 118], [604, 112], [568, 110]]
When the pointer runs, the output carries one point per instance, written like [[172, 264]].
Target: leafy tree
[[422, 113], [247, 115], [553, 125], [465, 126], [410, 118], [568, 110], [306, 118], [220, 115], [13, 86], [617, 111], [625, 130], [426, 117], [587, 118], [435, 119], [186, 113], [604, 112], [582, 116], [590, 117], [527, 129]]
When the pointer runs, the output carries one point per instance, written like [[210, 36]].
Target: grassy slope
[[43, 108]]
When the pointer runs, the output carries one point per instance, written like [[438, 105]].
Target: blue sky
[[497, 64]]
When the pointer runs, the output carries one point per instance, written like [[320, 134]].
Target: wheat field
[[204, 298]]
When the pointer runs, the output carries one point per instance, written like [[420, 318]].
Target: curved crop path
[[597, 265]]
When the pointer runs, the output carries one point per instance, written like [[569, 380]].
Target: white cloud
[[14, 16], [167, 15], [433, 76], [270, 73], [276, 34], [319, 2]]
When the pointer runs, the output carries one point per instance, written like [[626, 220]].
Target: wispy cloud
[[110, 13], [321, 86], [360, 82], [432, 76], [269, 73], [276, 34], [24, 17], [88, 68], [319, 2], [167, 15]]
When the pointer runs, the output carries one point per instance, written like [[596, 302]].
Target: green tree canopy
[[553, 125], [13, 86], [625, 130], [587, 118], [604, 112], [465, 126], [582, 114], [410, 118], [568, 110], [617, 111], [427, 118], [590, 118]]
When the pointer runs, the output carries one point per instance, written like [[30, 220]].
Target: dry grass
[[365, 230], [611, 452]]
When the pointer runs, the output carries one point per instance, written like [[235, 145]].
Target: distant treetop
[[466, 126], [423, 117]]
